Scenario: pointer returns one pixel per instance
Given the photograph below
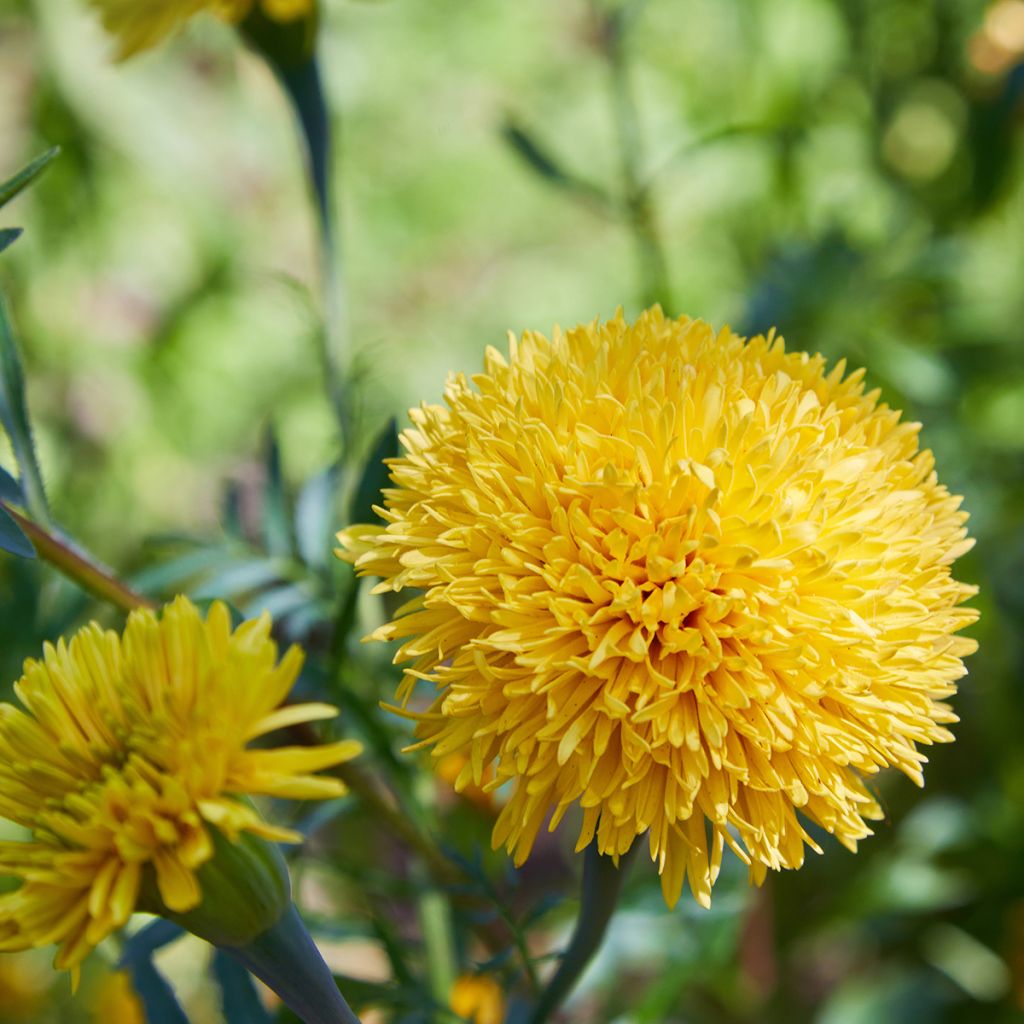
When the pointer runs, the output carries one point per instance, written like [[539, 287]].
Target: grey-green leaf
[[8, 236], [375, 476], [12, 539], [10, 188], [10, 489], [239, 999]]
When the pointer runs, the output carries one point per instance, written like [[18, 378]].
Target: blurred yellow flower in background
[[129, 750], [140, 24], [22, 989], [116, 1002], [478, 998], [693, 584]]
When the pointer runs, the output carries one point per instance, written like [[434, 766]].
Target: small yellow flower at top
[[477, 998], [140, 24], [130, 767]]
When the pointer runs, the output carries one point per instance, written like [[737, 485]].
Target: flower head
[[129, 768], [688, 583], [140, 24], [477, 998]]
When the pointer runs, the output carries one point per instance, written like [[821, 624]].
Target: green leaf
[[158, 999], [540, 160], [10, 188], [10, 489], [8, 236], [375, 476], [12, 539], [315, 516], [14, 415], [277, 534], [239, 1000]]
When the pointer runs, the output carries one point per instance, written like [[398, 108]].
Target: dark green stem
[[286, 959], [602, 884]]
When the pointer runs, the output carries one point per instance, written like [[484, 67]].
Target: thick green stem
[[77, 567], [602, 884]]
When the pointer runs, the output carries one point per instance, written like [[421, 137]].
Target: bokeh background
[[848, 171]]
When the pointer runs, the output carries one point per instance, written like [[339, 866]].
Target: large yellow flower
[[131, 757], [693, 584], [139, 24]]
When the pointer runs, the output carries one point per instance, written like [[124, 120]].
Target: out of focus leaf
[[12, 538], [10, 188], [539, 160], [375, 475], [8, 236], [276, 530], [241, 578], [239, 999], [158, 998], [314, 516]]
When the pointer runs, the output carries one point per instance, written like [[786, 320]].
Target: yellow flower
[[129, 770], [477, 998], [140, 24], [117, 1002], [692, 584]]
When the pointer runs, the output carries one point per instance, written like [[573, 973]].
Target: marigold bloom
[[131, 759], [140, 24], [690, 583]]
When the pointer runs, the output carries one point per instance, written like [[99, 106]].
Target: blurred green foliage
[[848, 171]]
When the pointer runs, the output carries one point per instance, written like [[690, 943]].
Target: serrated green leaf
[[8, 236], [10, 188], [375, 476], [239, 999], [14, 415], [12, 539]]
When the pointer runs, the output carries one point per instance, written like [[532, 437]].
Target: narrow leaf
[[8, 236], [12, 539], [276, 531], [314, 516], [540, 160], [10, 489], [10, 188], [239, 999], [375, 475], [14, 415], [158, 998]]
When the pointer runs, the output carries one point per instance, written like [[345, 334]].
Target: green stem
[[286, 959], [78, 567], [602, 884], [636, 193]]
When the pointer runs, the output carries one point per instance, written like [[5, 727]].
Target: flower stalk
[[603, 877], [286, 959]]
